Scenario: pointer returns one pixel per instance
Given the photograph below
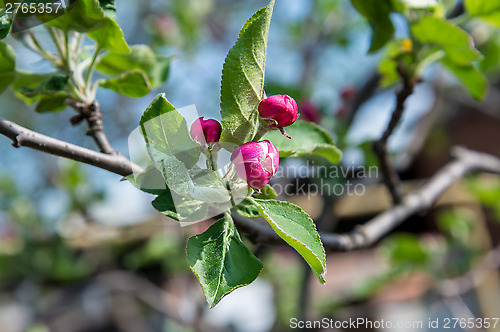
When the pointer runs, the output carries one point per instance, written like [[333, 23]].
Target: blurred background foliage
[[82, 251]]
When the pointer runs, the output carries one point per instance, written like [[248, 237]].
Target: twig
[[422, 199], [380, 147], [92, 114], [21, 136]]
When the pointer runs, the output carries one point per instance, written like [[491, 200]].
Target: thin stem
[[90, 69], [39, 49], [57, 42], [380, 147]]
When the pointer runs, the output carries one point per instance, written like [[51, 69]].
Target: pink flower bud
[[348, 92], [206, 131], [280, 108], [309, 111], [256, 162]]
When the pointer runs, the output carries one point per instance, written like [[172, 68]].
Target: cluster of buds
[[256, 162]]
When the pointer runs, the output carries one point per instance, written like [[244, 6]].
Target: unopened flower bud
[[348, 92], [280, 108], [309, 111], [206, 131], [256, 162]]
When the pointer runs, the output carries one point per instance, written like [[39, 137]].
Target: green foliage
[[377, 13], [457, 224], [132, 83], [266, 193], [220, 261], [7, 66], [488, 10], [307, 139], [87, 16], [165, 130], [48, 87], [243, 79], [295, 226], [53, 103], [405, 249], [248, 209], [470, 77], [459, 51], [140, 57], [457, 43]]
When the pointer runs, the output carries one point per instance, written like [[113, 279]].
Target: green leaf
[[83, 16], [54, 103], [180, 208], [220, 261], [131, 83], [28, 81], [150, 181], [266, 193], [488, 10], [457, 43], [5, 24], [243, 79], [295, 226], [404, 249], [377, 13], [7, 66], [470, 77], [50, 86], [87, 16], [140, 57], [110, 37], [248, 209], [165, 130], [307, 139]]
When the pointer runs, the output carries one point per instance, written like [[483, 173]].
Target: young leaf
[[140, 57], [166, 131], [220, 261], [50, 86], [470, 77], [5, 24], [7, 66], [132, 83], [377, 13], [82, 16], [295, 226], [266, 193], [248, 209], [150, 181], [110, 37], [87, 16], [457, 43], [488, 10], [307, 139], [243, 79], [54, 103]]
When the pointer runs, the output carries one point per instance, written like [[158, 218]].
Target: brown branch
[[21, 136], [420, 200], [92, 114], [391, 177]]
